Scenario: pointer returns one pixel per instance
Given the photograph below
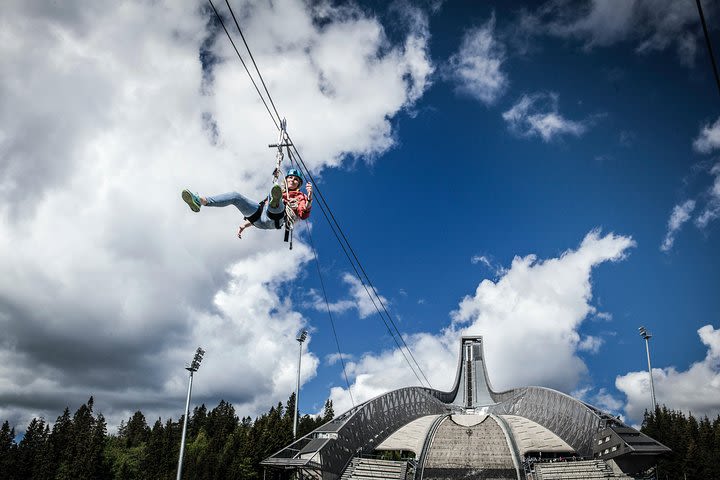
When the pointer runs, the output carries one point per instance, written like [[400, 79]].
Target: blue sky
[[543, 174]]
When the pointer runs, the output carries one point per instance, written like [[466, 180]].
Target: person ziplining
[[269, 214], [283, 205]]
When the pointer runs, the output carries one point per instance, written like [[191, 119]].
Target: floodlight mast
[[192, 368], [647, 336], [300, 340]]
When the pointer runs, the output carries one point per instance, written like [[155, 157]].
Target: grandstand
[[375, 469], [578, 469], [471, 431]]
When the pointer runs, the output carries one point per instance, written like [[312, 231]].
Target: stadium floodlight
[[192, 368], [195, 364], [300, 339], [645, 334]]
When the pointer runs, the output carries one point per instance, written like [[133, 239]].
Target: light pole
[[300, 340], [192, 368], [647, 336]]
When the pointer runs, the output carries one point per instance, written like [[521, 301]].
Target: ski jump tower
[[470, 431]]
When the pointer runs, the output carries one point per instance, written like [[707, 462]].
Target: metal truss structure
[[563, 415], [327, 451]]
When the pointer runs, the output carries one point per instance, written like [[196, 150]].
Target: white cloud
[[590, 344], [537, 305], [681, 213], [601, 399], [480, 259], [537, 115], [358, 300], [709, 199], [711, 211], [333, 358], [652, 25], [496, 269], [605, 316], [109, 282], [709, 138], [607, 401], [476, 67], [695, 390]]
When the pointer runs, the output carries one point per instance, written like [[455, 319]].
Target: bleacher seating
[[375, 469], [574, 470]]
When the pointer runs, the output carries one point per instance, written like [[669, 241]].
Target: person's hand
[[309, 189], [240, 230]]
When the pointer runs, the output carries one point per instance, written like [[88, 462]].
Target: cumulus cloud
[[607, 401], [652, 25], [590, 344], [681, 213], [536, 306], [695, 390], [537, 115], [333, 358], [709, 138], [359, 299], [106, 112], [476, 68]]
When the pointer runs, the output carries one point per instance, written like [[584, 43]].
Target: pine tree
[[329, 413], [32, 454], [7, 451], [196, 421], [136, 432], [60, 446], [155, 455]]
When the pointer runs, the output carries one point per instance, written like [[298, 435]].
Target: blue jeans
[[247, 207]]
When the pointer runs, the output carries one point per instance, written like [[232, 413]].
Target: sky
[[543, 174]]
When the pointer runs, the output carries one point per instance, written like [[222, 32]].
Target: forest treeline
[[695, 444], [219, 445]]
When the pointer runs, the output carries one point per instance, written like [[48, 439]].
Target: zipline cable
[[276, 124], [243, 64], [360, 277], [332, 322], [337, 224], [323, 202], [252, 58], [372, 299], [709, 44]]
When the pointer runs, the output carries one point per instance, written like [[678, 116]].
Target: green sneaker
[[192, 200], [275, 196]]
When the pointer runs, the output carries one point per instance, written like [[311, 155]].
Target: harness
[[276, 217], [287, 217]]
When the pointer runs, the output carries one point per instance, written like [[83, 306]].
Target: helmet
[[294, 172]]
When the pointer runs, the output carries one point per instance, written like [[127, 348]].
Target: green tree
[[7, 451], [136, 431], [33, 459], [329, 413], [155, 461], [60, 444]]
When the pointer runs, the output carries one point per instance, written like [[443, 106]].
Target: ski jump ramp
[[470, 431]]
